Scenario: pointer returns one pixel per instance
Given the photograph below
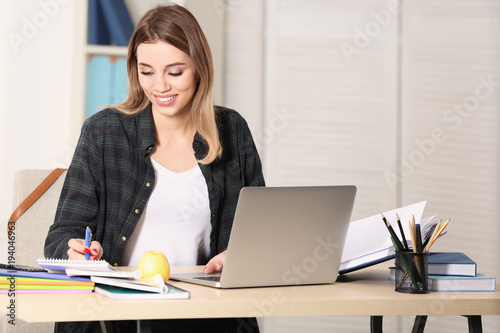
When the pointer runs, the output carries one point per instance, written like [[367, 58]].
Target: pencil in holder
[[411, 272]]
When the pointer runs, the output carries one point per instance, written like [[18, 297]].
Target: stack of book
[[28, 280], [455, 271], [144, 288], [115, 282]]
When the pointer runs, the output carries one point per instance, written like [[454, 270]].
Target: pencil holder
[[411, 272]]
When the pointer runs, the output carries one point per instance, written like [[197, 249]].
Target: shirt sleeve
[[252, 163], [78, 205]]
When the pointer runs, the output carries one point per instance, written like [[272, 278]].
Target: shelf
[[120, 51]]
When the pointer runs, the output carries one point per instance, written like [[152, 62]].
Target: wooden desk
[[367, 292]]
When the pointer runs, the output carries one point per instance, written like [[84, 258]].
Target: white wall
[[212, 24], [244, 61], [37, 113], [3, 78]]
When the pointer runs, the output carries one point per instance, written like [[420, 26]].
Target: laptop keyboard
[[209, 278]]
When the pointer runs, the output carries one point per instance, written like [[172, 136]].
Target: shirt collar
[[199, 146], [148, 135], [146, 128]]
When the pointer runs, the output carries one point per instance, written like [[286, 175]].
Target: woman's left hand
[[216, 263]]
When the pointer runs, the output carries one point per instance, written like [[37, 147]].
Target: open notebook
[[88, 268]]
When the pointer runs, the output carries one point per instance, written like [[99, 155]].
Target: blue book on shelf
[[451, 263], [118, 21], [97, 30], [119, 81], [98, 90], [106, 82]]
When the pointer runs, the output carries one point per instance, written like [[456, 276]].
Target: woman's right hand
[[77, 249]]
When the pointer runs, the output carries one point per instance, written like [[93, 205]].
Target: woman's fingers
[[77, 249]]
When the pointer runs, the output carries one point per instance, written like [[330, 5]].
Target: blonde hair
[[177, 26]]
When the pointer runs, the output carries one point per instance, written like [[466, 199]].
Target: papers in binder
[[368, 241], [153, 284]]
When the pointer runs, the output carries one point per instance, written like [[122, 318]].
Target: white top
[[175, 221]]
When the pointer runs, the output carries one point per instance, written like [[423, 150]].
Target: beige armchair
[[30, 231]]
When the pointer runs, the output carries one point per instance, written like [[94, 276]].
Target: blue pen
[[88, 236]]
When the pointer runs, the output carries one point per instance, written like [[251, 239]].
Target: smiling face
[[167, 77]]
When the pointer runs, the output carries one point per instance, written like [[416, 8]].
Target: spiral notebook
[[87, 268], [63, 264]]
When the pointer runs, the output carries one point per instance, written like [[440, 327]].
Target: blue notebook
[[451, 263], [42, 275], [480, 282]]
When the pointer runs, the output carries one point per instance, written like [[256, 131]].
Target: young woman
[[163, 170]]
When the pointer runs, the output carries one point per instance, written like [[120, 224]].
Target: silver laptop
[[284, 236]]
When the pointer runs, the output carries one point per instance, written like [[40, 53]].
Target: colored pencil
[[402, 233], [438, 234], [391, 231]]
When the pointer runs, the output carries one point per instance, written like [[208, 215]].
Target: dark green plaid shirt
[[111, 178]]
